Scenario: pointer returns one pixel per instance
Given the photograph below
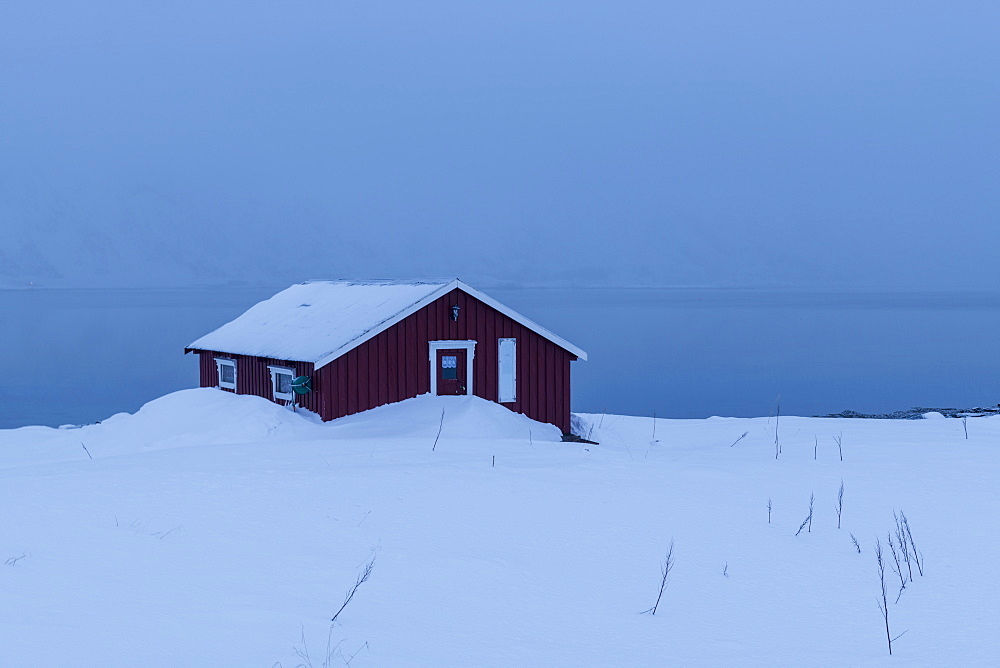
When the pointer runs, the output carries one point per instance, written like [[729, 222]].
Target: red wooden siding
[[253, 376], [394, 365]]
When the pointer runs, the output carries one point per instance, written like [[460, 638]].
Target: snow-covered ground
[[211, 529]]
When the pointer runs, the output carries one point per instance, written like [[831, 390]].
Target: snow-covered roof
[[318, 321]]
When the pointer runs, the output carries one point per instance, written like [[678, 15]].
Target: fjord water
[[78, 356]]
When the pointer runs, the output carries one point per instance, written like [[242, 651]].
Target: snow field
[[211, 529]]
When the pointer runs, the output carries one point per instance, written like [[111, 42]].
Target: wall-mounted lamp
[[454, 313]]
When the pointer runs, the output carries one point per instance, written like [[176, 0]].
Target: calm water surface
[[77, 356]]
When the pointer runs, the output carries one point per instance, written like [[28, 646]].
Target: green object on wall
[[302, 385]]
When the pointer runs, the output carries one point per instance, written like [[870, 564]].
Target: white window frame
[[275, 370], [470, 354], [511, 397], [221, 362]]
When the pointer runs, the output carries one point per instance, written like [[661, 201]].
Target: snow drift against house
[[209, 417]]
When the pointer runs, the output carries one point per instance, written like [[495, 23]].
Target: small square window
[[227, 373], [281, 382]]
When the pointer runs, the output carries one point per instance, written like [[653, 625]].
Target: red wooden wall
[[394, 365], [253, 376]]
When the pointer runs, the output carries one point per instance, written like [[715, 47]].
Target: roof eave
[[530, 324]]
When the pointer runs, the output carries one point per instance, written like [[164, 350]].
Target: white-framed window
[[227, 372], [281, 382], [507, 371]]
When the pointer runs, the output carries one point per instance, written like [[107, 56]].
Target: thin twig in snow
[[840, 503], [812, 497], [347, 662], [897, 569], [440, 427], [363, 578], [918, 557], [665, 568], [809, 518], [903, 545], [163, 534], [883, 604], [777, 418]]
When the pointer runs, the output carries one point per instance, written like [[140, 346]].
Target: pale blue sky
[[805, 144]]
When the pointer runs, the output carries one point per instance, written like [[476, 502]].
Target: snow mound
[[207, 416], [464, 417], [204, 416]]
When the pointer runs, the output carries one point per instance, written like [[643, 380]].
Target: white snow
[[214, 529], [309, 321]]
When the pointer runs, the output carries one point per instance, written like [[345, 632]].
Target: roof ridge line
[[382, 281]]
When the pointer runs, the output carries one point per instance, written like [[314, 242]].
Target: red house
[[341, 347]]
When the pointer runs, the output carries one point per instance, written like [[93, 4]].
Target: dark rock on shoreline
[[918, 413]]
